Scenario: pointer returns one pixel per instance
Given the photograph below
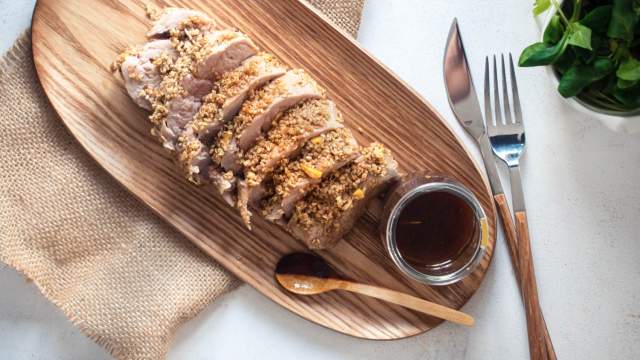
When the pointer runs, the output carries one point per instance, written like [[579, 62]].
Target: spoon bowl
[[304, 285], [305, 274]]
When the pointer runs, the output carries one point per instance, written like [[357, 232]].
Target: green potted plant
[[591, 50]]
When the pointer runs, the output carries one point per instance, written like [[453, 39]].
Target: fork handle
[[540, 344], [512, 245]]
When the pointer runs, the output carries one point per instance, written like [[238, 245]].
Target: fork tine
[[496, 94], [487, 94], [505, 94], [517, 110]]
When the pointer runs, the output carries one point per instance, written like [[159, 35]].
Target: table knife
[[464, 103]]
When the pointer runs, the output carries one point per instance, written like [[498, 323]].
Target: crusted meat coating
[[329, 211]]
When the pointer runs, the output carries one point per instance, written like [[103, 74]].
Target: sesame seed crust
[[317, 160], [190, 149], [331, 199], [261, 99], [230, 85], [289, 130], [187, 39]]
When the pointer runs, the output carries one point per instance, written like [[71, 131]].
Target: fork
[[507, 139]]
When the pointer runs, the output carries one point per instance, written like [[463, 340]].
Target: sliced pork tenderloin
[[225, 184], [193, 158], [180, 94], [171, 18], [217, 108], [224, 181], [329, 212], [222, 51], [285, 139], [142, 69], [177, 99], [320, 157], [231, 90], [257, 113], [287, 136]]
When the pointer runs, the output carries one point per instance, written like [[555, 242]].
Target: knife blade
[[464, 101]]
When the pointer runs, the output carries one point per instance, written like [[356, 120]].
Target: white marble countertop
[[582, 186]]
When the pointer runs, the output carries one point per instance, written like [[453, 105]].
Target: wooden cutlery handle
[[509, 232], [408, 301], [540, 345], [516, 262]]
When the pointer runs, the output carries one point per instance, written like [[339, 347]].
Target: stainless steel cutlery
[[502, 135]]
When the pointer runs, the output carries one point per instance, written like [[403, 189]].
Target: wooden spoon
[[308, 274]]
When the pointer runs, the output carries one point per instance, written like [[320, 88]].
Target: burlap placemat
[[120, 274]]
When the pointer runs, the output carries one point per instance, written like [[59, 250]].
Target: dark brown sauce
[[305, 264], [434, 229]]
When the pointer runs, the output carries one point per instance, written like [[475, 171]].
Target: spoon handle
[[409, 301]]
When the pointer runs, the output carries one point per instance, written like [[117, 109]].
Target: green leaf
[[625, 84], [553, 32], [542, 54], [629, 69], [580, 36], [598, 45], [602, 99], [598, 19], [623, 20], [565, 62], [579, 77], [541, 6], [630, 97]]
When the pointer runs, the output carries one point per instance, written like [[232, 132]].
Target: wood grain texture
[[75, 41], [509, 232], [540, 346], [512, 244], [409, 301]]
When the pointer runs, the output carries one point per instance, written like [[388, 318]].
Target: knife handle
[[509, 232]]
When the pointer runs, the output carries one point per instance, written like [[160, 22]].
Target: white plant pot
[[623, 124]]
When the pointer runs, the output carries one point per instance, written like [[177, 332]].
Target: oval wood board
[[74, 43]]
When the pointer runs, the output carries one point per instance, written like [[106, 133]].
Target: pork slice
[[285, 139], [329, 212], [171, 18], [198, 88], [183, 92], [262, 107], [320, 157], [247, 195], [175, 115], [181, 110], [288, 134], [225, 184], [143, 68], [193, 158], [231, 90], [223, 51], [176, 101]]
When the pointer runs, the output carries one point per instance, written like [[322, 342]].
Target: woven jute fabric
[[119, 273], [343, 13]]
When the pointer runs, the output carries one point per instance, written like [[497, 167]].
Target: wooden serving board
[[74, 43]]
